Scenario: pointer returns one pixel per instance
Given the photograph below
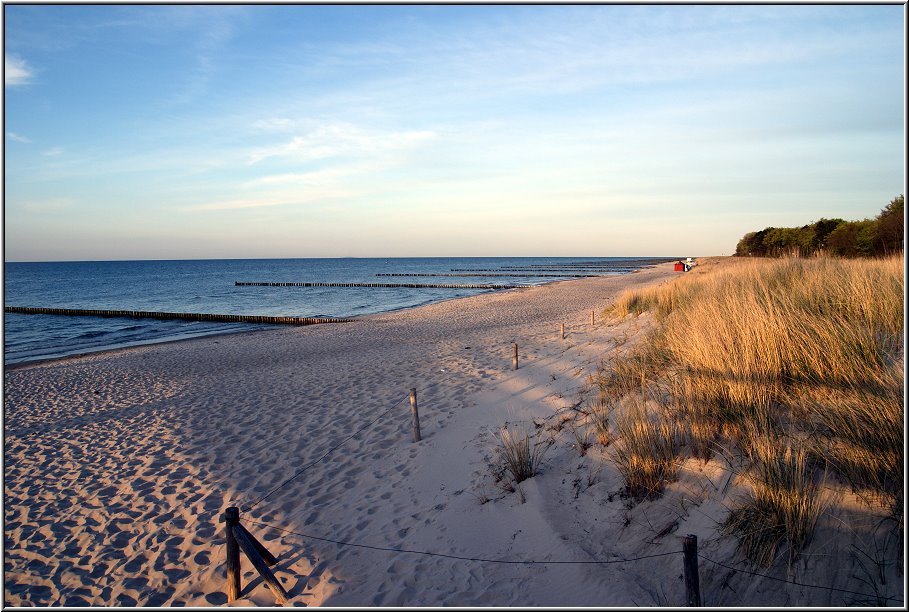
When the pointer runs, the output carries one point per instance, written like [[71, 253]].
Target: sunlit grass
[[756, 351], [783, 506], [646, 451]]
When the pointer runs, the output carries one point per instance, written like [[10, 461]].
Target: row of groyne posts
[[193, 316]]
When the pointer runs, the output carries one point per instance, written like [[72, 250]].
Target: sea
[[210, 286]]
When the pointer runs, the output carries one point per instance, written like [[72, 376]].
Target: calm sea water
[[207, 286]]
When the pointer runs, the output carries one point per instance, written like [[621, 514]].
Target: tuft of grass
[[581, 434], [520, 452], [860, 435], [702, 435], [646, 452], [599, 417], [633, 373], [783, 507]]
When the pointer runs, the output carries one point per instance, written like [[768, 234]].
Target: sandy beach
[[118, 466]]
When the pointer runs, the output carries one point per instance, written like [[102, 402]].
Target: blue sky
[[233, 131]]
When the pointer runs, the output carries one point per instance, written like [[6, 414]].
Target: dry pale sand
[[118, 465]]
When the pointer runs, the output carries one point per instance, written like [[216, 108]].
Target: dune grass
[[754, 351], [520, 452], [646, 453]]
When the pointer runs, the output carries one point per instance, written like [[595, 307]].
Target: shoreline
[[143, 448], [23, 364]]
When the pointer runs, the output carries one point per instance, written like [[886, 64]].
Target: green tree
[[752, 244], [882, 235], [822, 228], [781, 241], [852, 238], [890, 228]]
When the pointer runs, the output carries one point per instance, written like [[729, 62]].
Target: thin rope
[[811, 586], [461, 558]]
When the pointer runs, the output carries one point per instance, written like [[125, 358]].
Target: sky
[[247, 131]]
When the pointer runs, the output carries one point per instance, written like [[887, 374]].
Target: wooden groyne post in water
[[185, 316]]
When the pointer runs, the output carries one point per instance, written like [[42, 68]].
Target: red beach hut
[[679, 266]]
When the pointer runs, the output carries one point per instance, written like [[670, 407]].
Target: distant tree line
[[882, 235]]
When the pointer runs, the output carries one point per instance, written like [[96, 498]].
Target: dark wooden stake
[[515, 360], [415, 415], [232, 518], [692, 580], [562, 331], [269, 558], [592, 317], [259, 563]]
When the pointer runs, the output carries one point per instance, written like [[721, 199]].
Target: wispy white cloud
[[275, 124], [316, 177], [17, 137], [340, 139], [16, 71], [271, 201], [53, 152]]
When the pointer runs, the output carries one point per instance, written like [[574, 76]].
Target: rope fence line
[[801, 584], [560, 562], [463, 558], [326, 454]]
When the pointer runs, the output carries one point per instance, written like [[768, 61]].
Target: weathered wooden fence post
[[239, 538], [232, 517], [692, 580], [515, 360], [415, 415], [562, 331], [592, 317], [251, 547]]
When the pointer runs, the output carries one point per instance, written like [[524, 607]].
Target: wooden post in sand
[[415, 415], [232, 517], [515, 360], [239, 538], [592, 317], [692, 580], [245, 540], [562, 331]]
